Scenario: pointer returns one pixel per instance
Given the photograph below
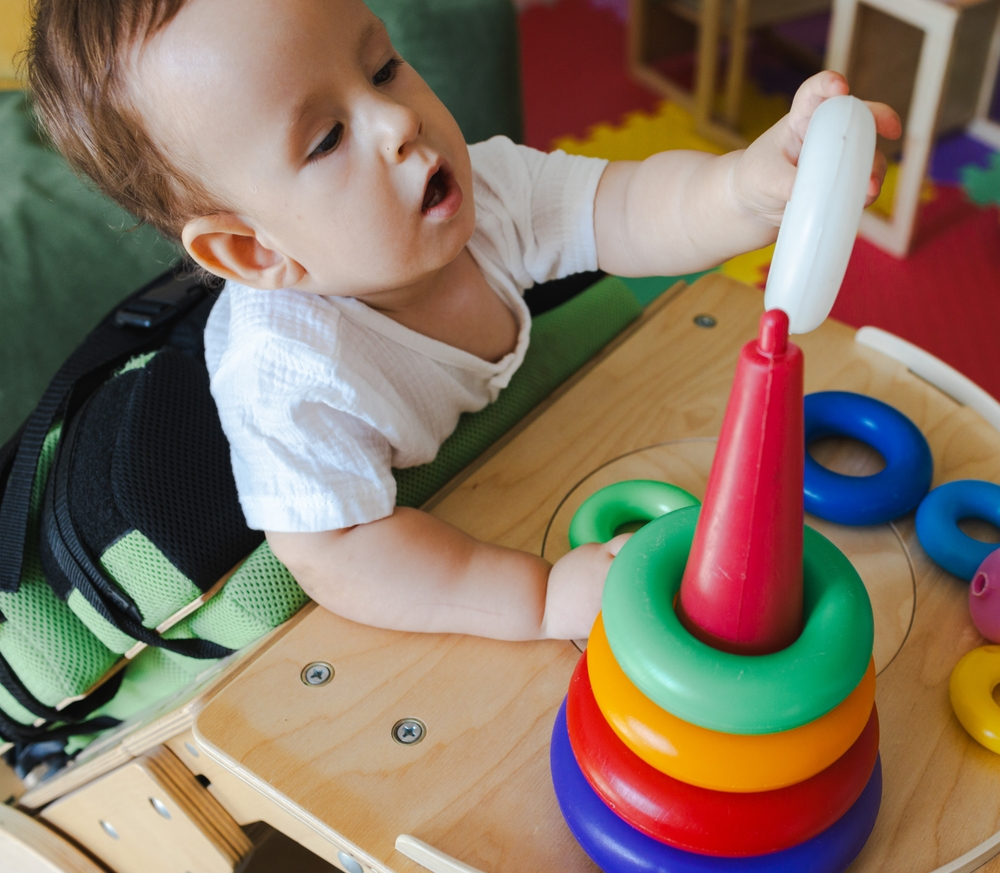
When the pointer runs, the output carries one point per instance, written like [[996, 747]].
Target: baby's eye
[[329, 143], [388, 72]]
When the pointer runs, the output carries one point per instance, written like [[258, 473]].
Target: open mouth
[[438, 187]]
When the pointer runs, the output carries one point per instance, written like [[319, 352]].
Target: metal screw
[[110, 831], [408, 731], [349, 864], [705, 321], [192, 750], [160, 808], [317, 673]]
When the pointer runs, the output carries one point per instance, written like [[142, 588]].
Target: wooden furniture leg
[[983, 127], [28, 846], [152, 816], [708, 61], [926, 58], [736, 74]]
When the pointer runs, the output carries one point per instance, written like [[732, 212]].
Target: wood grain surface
[[477, 787], [28, 846]]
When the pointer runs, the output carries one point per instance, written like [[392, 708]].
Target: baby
[[375, 267]]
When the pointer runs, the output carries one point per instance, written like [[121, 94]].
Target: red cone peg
[[742, 587]]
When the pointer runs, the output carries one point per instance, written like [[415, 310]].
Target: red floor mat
[[946, 296], [573, 71]]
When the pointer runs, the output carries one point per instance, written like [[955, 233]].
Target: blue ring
[[617, 847], [873, 499], [937, 524]]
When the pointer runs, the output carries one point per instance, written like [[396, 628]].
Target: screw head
[[317, 673], [349, 864], [160, 807], [108, 829], [408, 731], [705, 321]]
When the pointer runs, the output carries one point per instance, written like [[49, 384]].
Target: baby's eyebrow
[[304, 108]]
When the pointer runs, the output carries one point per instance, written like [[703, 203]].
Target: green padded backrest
[[64, 261]]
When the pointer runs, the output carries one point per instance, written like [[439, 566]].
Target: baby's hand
[[576, 582], [762, 179]]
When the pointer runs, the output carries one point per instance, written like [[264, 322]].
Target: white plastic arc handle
[[821, 220], [430, 858], [931, 369]]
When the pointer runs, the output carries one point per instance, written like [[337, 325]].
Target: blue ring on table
[[875, 499], [617, 847], [937, 524]]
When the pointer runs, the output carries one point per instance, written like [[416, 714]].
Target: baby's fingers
[[887, 122], [811, 93], [878, 177], [615, 544]]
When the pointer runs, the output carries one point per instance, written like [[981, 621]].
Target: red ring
[[699, 819]]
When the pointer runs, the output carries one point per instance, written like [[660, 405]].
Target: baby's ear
[[225, 245]]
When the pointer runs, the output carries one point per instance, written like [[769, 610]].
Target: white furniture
[[935, 62]]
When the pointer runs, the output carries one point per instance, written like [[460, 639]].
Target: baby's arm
[[681, 211], [411, 571]]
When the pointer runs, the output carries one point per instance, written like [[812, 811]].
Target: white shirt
[[320, 397]]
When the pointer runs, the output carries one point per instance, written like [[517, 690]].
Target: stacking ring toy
[[984, 597], [710, 822], [617, 847], [635, 500], [715, 760], [971, 691], [938, 518], [865, 499], [737, 694]]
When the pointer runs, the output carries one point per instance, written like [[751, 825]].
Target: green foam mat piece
[[647, 288], [982, 184], [562, 340]]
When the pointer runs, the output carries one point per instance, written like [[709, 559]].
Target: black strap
[[76, 711], [14, 732], [58, 535], [139, 324]]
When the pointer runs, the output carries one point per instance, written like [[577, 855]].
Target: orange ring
[[720, 761]]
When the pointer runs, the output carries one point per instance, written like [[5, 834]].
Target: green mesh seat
[[52, 653], [261, 594]]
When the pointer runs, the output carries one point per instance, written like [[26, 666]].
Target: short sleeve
[[534, 210], [306, 457], [324, 469]]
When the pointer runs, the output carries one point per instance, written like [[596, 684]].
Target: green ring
[[605, 511], [736, 694]]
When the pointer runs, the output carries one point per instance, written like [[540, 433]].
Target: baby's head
[[284, 142]]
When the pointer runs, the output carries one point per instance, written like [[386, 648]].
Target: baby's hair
[[79, 55]]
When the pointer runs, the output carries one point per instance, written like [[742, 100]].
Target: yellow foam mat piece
[[883, 205], [641, 134], [13, 38], [751, 268]]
